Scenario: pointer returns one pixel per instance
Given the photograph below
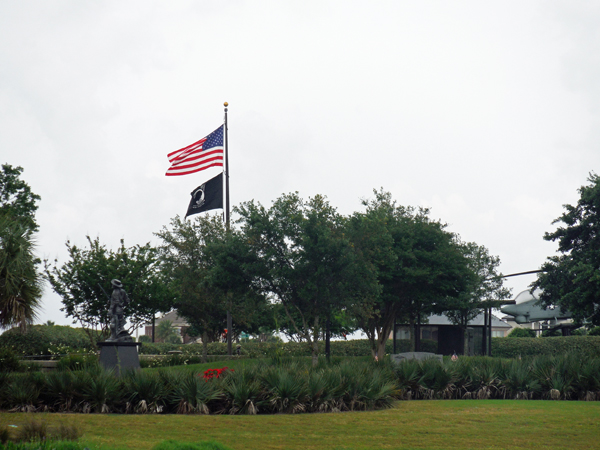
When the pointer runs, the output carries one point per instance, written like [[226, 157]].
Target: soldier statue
[[118, 300]]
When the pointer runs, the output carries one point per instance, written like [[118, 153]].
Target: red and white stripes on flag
[[207, 152]]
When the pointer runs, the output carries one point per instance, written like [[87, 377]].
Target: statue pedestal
[[119, 356]]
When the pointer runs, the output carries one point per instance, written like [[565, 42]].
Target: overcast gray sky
[[486, 112]]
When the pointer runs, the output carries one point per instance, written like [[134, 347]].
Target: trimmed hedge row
[[45, 340], [515, 347], [355, 347]]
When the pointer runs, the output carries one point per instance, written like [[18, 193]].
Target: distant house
[[178, 323], [449, 337]]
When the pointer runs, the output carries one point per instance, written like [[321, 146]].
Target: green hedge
[[515, 347], [45, 340], [8, 360], [355, 347], [501, 347]]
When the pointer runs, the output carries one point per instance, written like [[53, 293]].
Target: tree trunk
[[465, 341], [381, 349], [153, 326], [384, 333], [315, 341], [315, 352]]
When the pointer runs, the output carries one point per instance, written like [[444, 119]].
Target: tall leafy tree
[[571, 280], [16, 198], [20, 282], [206, 267], [83, 282], [305, 262], [485, 289], [417, 262]]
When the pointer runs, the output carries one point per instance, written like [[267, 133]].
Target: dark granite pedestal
[[119, 356]]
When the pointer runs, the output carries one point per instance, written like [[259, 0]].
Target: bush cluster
[[516, 347], [8, 360], [564, 377], [45, 340], [291, 386]]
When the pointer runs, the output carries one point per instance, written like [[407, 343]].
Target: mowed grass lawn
[[453, 424]]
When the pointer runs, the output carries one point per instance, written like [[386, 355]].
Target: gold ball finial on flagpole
[[225, 104]]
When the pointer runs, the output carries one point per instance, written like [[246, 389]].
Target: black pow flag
[[207, 196]]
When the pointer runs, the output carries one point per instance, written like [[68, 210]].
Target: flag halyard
[[207, 152]]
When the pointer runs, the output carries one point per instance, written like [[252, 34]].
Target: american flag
[[207, 152]]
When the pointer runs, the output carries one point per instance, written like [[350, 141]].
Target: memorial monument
[[119, 352]]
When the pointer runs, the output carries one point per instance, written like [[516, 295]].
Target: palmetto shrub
[[436, 380], [243, 392], [461, 371], [23, 391], [408, 375], [519, 381], [192, 394], [587, 381], [146, 392], [484, 378], [103, 391], [63, 390], [285, 389]]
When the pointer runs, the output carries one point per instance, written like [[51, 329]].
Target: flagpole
[[229, 319], [226, 169]]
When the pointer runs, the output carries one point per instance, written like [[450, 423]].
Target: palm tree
[[20, 283], [166, 333]]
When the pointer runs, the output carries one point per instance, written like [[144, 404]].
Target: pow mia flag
[[207, 196]]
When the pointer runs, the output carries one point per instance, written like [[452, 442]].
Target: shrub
[[23, 390], [516, 347], [33, 430], [44, 340], [254, 349], [594, 331], [103, 391], [77, 361], [554, 333], [521, 333], [191, 394], [8, 360], [67, 432], [146, 391]]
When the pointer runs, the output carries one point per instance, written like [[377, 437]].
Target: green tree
[[166, 333], [20, 283], [16, 198], [418, 265], [305, 262], [83, 282], [206, 266], [571, 280], [485, 288]]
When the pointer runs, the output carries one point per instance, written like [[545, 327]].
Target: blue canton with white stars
[[214, 139]]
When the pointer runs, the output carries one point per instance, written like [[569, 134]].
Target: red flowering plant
[[215, 373]]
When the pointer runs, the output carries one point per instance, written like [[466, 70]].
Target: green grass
[[436, 424]]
